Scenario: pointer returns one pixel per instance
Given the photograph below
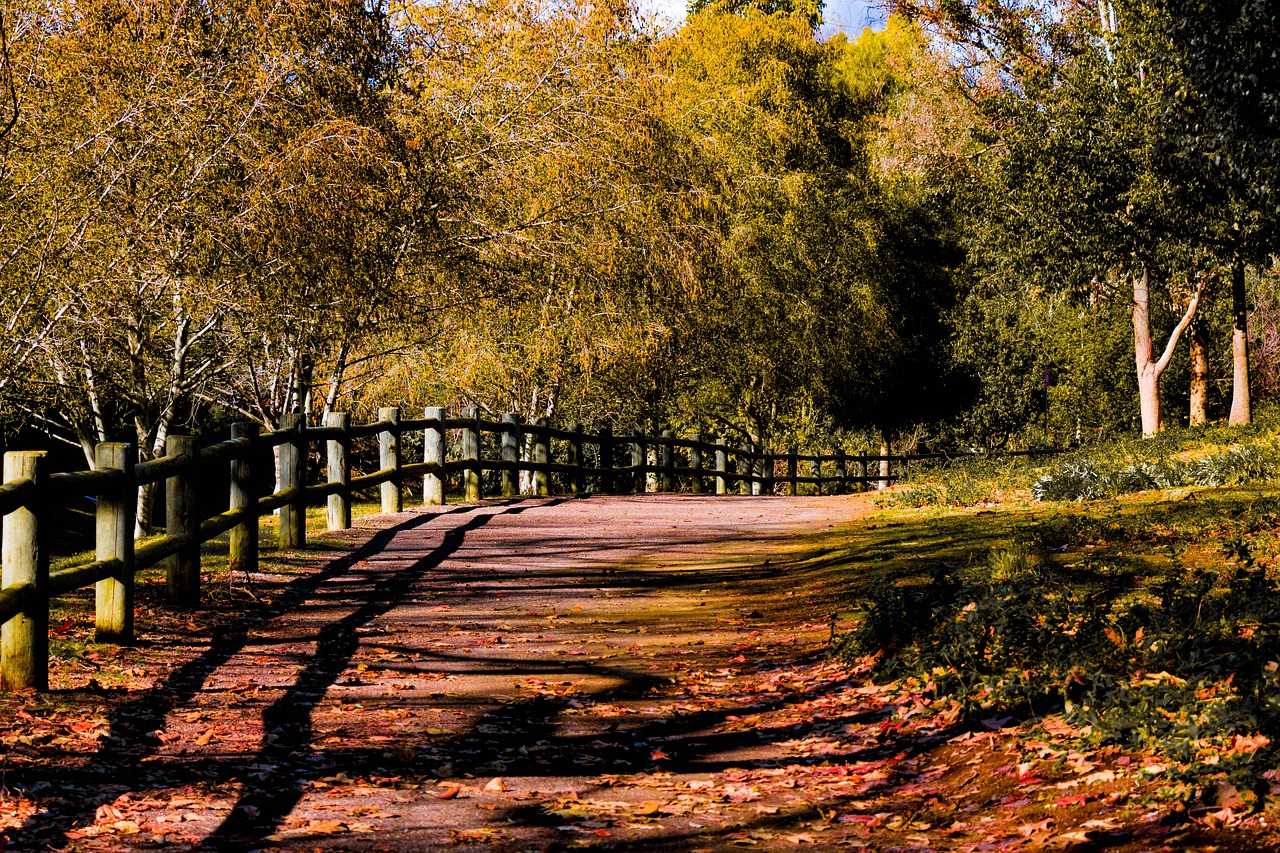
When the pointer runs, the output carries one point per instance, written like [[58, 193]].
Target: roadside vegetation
[[1126, 596]]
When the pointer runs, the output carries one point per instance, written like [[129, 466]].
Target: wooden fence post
[[762, 472], [472, 488], [24, 640], [862, 471], [695, 462], [577, 480], [793, 466], [433, 453], [113, 596], [884, 467], [182, 518], [744, 470], [338, 465], [667, 462], [637, 462], [293, 466], [841, 472], [542, 456], [606, 482], [511, 455], [389, 457], [722, 467], [242, 548]]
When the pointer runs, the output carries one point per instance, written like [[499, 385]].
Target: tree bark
[[1149, 370], [1198, 341], [1240, 408]]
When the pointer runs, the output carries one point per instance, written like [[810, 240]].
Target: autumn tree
[[122, 152]]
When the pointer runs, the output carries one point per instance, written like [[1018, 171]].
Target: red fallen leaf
[[603, 833], [1240, 743], [107, 813], [738, 659], [1072, 800], [658, 755], [449, 793], [868, 819]]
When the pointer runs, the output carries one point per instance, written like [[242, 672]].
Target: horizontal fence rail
[[502, 458]]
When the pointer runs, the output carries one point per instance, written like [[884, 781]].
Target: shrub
[[1088, 479]]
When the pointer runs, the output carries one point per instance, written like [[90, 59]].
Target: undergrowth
[[962, 481], [1085, 478], [1185, 662]]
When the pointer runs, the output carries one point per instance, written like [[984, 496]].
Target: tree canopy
[[732, 226]]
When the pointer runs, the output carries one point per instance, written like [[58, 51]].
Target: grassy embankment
[[1140, 599]]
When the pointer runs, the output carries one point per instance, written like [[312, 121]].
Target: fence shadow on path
[[132, 740]]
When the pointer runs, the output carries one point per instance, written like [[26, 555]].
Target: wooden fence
[[569, 460]]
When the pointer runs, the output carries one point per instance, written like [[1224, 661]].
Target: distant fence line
[[573, 460]]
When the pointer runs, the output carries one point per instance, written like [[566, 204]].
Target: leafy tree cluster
[[241, 211], [211, 213], [1127, 164]]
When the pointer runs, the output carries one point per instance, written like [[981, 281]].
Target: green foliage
[[1221, 119], [961, 485], [810, 11], [1087, 479], [1005, 344]]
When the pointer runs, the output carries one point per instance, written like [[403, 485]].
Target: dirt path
[[533, 675]]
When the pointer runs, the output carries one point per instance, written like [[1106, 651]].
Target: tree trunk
[[1240, 410], [1143, 349], [1149, 371], [1198, 341]]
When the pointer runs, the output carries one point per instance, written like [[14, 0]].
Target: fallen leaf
[[449, 793], [1038, 828], [326, 827], [496, 785]]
